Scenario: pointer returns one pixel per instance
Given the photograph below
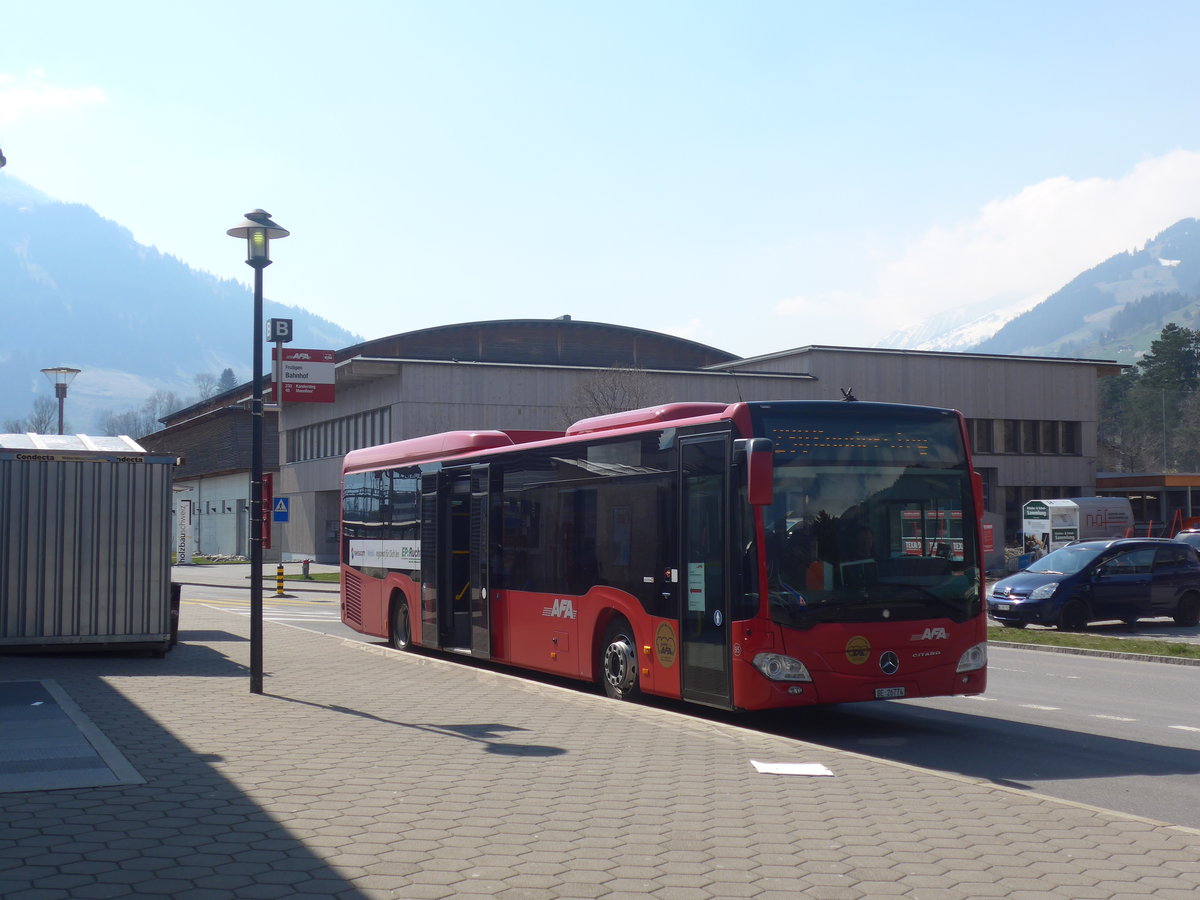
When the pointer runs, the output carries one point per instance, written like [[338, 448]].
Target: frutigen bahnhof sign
[[307, 375]]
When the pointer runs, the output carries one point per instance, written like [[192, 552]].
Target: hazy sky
[[751, 175]]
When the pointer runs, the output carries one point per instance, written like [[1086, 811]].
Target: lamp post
[[60, 377], [258, 230]]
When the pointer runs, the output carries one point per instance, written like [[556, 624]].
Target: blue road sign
[[279, 512]]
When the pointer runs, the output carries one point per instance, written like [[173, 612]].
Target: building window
[[1029, 437], [338, 437], [1070, 439], [1044, 437], [1049, 437], [1012, 436], [981, 435]]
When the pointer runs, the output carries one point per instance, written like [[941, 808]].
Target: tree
[[611, 390], [1110, 428], [128, 422], [1173, 360], [1149, 419], [42, 419], [143, 421], [227, 382], [206, 384], [1185, 442], [1170, 372]]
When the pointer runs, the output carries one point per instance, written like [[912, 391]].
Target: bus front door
[[704, 527]]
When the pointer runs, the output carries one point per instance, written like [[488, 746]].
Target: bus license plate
[[888, 693]]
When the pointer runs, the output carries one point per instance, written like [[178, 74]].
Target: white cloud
[[24, 94], [691, 330], [1015, 252]]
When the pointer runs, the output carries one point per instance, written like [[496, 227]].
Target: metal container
[[85, 542]]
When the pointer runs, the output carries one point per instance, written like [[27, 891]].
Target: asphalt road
[[1112, 733], [1107, 732]]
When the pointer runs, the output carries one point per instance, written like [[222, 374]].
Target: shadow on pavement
[[186, 658], [188, 828], [1015, 754], [483, 734]]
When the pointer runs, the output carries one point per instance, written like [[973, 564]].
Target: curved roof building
[[561, 341]]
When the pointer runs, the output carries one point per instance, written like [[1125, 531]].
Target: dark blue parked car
[[1088, 581]]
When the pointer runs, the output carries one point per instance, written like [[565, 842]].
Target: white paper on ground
[[767, 768]]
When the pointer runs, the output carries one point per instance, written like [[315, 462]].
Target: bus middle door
[[704, 532], [478, 560], [456, 511], [463, 609]]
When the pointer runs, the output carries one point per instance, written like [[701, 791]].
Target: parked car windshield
[[1065, 560]]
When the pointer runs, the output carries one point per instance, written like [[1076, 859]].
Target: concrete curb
[[1106, 654]]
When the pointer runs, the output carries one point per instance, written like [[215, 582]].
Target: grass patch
[[326, 577], [1056, 638], [211, 561]]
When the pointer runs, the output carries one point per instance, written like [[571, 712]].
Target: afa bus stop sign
[[279, 509], [307, 375]]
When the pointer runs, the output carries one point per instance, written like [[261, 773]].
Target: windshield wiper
[[955, 604]]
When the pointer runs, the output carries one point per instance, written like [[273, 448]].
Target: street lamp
[[258, 230], [60, 377]]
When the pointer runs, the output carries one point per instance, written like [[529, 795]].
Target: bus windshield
[[868, 515]]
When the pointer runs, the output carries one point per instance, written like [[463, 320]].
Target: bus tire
[[618, 662], [1074, 615], [400, 632], [1187, 613]]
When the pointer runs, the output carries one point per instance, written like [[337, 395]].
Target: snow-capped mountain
[[1111, 311]]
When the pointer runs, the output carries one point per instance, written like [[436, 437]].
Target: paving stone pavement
[[366, 773]]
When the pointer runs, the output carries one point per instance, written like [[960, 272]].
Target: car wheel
[[1074, 616], [1187, 613]]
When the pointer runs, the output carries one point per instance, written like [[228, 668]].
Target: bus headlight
[[778, 667], [973, 659]]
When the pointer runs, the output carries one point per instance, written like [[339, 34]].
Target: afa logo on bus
[[562, 609]]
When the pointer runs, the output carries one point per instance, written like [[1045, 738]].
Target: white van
[[1049, 524]]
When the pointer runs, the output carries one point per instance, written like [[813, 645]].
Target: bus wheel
[[401, 634], [1074, 616], [618, 664]]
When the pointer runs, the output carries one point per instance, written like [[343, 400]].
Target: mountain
[[79, 291], [1159, 281], [952, 330], [1111, 311]]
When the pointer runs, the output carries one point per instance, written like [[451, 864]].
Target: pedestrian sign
[[279, 511]]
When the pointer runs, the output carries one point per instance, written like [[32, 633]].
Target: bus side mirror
[[760, 471]]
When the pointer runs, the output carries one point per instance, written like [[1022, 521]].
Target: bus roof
[[651, 415], [461, 443], [451, 444], [433, 446]]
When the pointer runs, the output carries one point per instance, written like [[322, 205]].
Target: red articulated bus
[[745, 556]]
